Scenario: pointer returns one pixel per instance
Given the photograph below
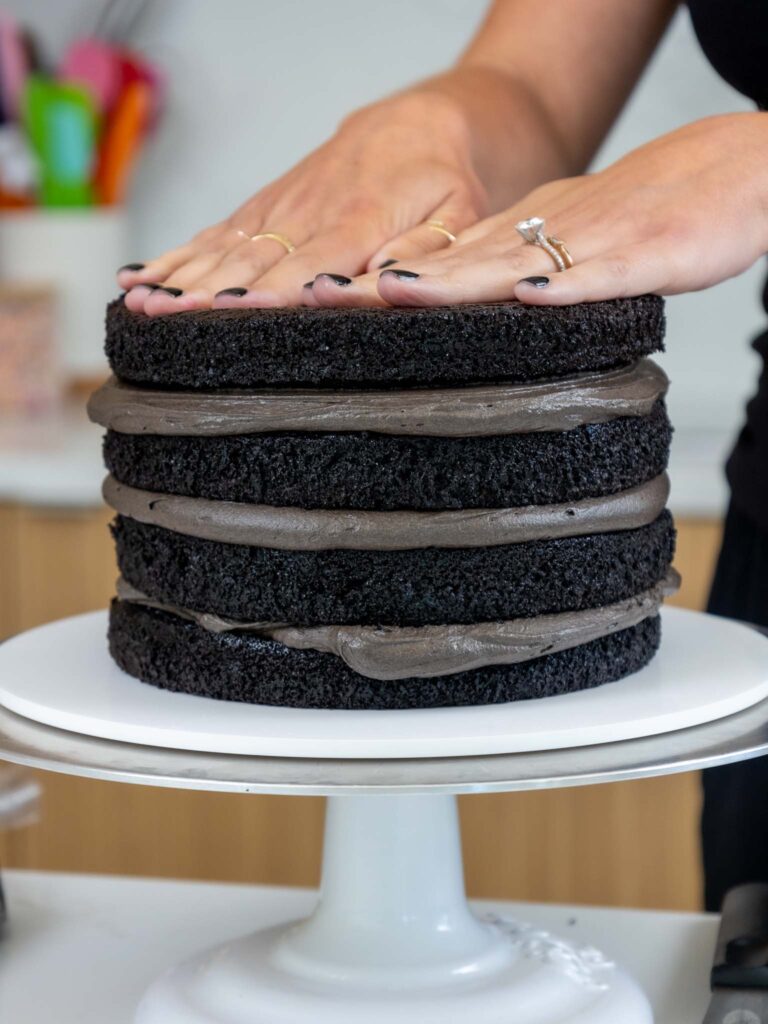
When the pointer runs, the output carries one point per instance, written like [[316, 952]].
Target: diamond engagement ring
[[532, 230]]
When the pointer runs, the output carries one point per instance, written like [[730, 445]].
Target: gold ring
[[273, 236], [559, 245], [437, 225]]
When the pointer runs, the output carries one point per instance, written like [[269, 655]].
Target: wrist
[[761, 197], [515, 145], [416, 112]]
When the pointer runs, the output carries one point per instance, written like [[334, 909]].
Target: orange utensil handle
[[121, 142]]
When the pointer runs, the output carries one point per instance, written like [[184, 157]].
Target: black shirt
[[734, 36]]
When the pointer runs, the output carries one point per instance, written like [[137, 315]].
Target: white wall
[[255, 83]]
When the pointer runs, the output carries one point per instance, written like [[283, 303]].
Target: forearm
[[541, 84], [514, 142]]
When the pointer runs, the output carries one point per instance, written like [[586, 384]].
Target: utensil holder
[[77, 253]]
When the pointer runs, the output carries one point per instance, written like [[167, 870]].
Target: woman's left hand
[[682, 213]]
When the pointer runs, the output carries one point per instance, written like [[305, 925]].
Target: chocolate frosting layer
[[297, 529], [455, 412], [392, 652]]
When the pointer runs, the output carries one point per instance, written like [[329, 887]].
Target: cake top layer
[[364, 348], [389, 347]]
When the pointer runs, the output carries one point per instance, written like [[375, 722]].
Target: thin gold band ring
[[273, 236], [559, 246], [532, 231], [437, 225]]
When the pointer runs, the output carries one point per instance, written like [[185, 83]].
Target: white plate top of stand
[[61, 675]]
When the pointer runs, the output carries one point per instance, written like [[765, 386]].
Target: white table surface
[[80, 949]]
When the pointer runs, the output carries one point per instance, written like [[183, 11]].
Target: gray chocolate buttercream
[[395, 652], [553, 405], [298, 529]]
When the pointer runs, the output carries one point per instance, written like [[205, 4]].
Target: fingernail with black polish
[[386, 263], [402, 275], [131, 266], [175, 292], [338, 279], [309, 283], [237, 292], [537, 282]]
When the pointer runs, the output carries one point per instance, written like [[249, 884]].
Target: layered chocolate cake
[[387, 508]]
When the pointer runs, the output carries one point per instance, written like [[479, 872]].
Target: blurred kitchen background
[[247, 87]]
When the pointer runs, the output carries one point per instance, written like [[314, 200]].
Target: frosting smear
[[553, 405], [395, 652], [298, 529]]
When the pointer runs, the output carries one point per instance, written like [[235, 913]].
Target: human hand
[[682, 213], [349, 206]]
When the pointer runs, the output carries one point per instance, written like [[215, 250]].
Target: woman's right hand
[[359, 200]]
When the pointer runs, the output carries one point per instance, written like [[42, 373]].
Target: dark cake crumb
[[407, 588], [448, 345], [382, 348], [375, 471], [176, 654]]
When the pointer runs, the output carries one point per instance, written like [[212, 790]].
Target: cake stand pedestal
[[392, 938]]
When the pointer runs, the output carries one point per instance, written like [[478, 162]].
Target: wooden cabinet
[[630, 844]]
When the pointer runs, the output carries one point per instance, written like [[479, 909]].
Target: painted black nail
[[237, 292], [175, 292], [132, 266], [537, 282], [309, 283], [402, 275], [338, 279], [386, 263]]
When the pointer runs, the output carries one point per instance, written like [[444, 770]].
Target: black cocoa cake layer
[[405, 588], [373, 347], [375, 471], [176, 654]]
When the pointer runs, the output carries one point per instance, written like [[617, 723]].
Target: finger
[[437, 232], [546, 201], [156, 271], [197, 268], [235, 271], [339, 254], [196, 264], [157, 299], [361, 291], [163, 300], [470, 276], [136, 298], [185, 281], [636, 270], [308, 297]]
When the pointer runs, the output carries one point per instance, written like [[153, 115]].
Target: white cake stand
[[392, 938]]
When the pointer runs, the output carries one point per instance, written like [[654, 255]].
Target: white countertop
[[55, 460], [51, 460], [697, 472], [89, 945]]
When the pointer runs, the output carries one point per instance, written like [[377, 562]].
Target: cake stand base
[[393, 940]]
